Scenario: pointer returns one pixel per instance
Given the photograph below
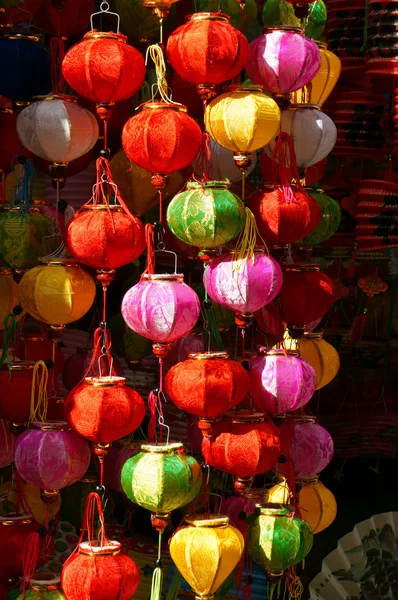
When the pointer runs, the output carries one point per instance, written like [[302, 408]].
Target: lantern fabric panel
[[324, 82], [317, 505], [322, 356], [307, 445], [330, 219]]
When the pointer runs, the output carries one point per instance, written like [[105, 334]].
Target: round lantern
[[307, 446], [207, 384], [105, 236], [8, 294], [316, 20], [51, 457], [162, 138], [222, 164], [330, 219], [7, 444], [280, 221], [104, 409], [281, 382], [305, 296], [114, 460], [206, 215], [86, 573], [283, 60], [224, 123], [25, 236], [313, 134], [161, 478], [57, 293], [25, 67], [32, 346], [104, 68], [161, 308], [205, 550], [16, 382], [323, 357], [278, 539], [245, 445], [319, 89], [317, 504], [44, 586], [77, 365], [207, 51], [57, 129], [242, 284]]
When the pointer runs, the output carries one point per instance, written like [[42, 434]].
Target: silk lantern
[[161, 308], [162, 138], [206, 214], [307, 446], [33, 346], [64, 21], [205, 550], [51, 457], [243, 285], [280, 381], [57, 129], [207, 51], [8, 294], [7, 445], [244, 445], [43, 586], [77, 365], [330, 219], [161, 478], [317, 504], [42, 512], [283, 60], [16, 380], [25, 66], [322, 356], [322, 85], [207, 384], [278, 539], [313, 134], [25, 236], [283, 221], [243, 119], [57, 293], [305, 296]]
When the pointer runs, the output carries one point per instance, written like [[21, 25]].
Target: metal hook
[[163, 424], [170, 252], [111, 183], [105, 9], [103, 354], [221, 500], [21, 8]]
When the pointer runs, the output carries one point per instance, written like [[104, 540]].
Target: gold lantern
[[243, 119], [205, 551], [57, 292], [324, 82]]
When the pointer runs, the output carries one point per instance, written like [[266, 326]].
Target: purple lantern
[[161, 307], [283, 60], [7, 444], [307, 446], [280, 381], [51, 456], [243, 285]]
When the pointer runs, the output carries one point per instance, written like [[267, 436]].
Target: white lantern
[[313, 134], [223, 164], [57, 129]]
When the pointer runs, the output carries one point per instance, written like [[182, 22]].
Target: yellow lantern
[[57, 293], [243, 120], [8, 294], [206, 551], [317, 504], [324, 82]]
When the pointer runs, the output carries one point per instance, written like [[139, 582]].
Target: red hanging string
[[152, 404], [150, 242], [57, 53], [30, 555], [101, 352], [284, 166]]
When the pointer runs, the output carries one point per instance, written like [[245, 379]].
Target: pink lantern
[[243, 285], [234, 506], [161, 307], [7, 444], [280, 381], [307, 446], [51, 456], [114, 461], [283, 60]]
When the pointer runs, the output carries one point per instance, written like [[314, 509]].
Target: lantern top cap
[[303, 419], [18, 209], [163, 277], [301, 268], [321, 45], [209, 16], [5, 271], [251, 89], [164, 448], [208, 356], [108, 381], [11, 35], [16, 519], [298, 105], [271, 509], [21, 365], [220, 185], [309, 335], [43, 580], [207, 520], [308, 480], [110, 548], [261, 351], [52, 97], [102, 207], [51, 425], [283, 28], [158, 105], [109, 35], [59, 262], [244, 416]]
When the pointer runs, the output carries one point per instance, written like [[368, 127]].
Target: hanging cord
[[39, 407], [60, 251], [155, 52]]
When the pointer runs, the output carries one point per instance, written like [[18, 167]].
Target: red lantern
[[244, 446], [207, 384], [16, 381], [305, 296], [77, 365], [162, 138], [207, 51], [104, 68], [71, 19], [313, 174], [36, 346], [283, 221]]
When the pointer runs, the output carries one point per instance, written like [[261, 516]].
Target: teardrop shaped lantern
[[205, 550], [330, 219]]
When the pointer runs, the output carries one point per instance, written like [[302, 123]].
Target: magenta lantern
[[7, 444], [307, 446], [243, 285], [161, 307], [114, 461], [283, 60], [51, 456], [280, 381]]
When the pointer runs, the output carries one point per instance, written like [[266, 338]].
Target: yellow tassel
[[39, 412], [296, 588], [248, 239], [156, 54]]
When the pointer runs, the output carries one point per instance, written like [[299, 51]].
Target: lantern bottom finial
[[160, 520], [296, 331], [49, 496], [243, 160], [206, 426], [241, 484], [206, 92], [244, 320], [161, 350]]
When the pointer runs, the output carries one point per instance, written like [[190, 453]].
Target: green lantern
[[161, 478], [45, 586], [279, 12], [277, 540], [206, 214], [25, 237], [316, 21], [330, 221], [232, 9]]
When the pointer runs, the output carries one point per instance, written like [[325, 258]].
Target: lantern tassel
[[157, 577], [38, 410], [175, 586], [248, 237], [30, 556]]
